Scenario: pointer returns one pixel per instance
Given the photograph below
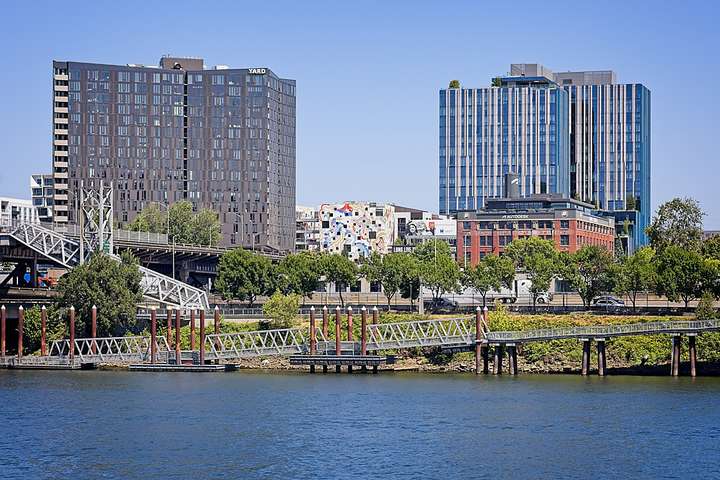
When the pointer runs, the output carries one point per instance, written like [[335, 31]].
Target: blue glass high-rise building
[[579, 134], [518, 126]]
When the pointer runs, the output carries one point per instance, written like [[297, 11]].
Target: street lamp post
[[167, 209]]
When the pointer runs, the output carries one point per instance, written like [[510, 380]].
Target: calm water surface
[[123, 425]]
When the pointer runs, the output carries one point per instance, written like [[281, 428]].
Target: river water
[[132, 425]]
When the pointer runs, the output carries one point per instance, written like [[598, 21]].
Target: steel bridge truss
[[446, 332], [155, 286], [115, 350], [48, 243], [280, 342]]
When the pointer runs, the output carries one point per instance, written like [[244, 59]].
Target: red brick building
[[569, 223]]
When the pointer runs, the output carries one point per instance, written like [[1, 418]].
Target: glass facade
[[487, 133], [222, 139]]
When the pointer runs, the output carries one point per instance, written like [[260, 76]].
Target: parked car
[[443, 305], [608, 302]]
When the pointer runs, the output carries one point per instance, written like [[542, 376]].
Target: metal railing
[[597, 331], [282, 342], [422, 333], [117, 350]]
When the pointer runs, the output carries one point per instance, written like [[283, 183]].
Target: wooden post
[[692, 351], [375, 314], [216, 321], [363, 331], [325, 321], [72, 334], [202, 337], [93, 329], [338, 347], [675, 357], [313, 339], [20, 329], [512, 359], [478, 341], [485, 351], [178, 319], [585, 356], [43, 331], [602, 361], [153, 335], [350, 332], [192, 329], [499, 353], [3, 333], [168, 333]]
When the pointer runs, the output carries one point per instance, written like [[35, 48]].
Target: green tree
[[635, 274], [244, 276], [281, 309], [706, 307], [151, 219], [677, 223], [112, 286], [588, 270], [538, 259], [300, 273], [491, 273], [206, 226], [711, 247], [390, 271], [497, 82], [181, 223], [341, 271], [683, 274], [410, 285], [32, 330], [454, 84], [438, 270]]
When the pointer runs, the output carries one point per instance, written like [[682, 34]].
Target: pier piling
[[20, 328], [153, 335], [168, 333], [178, 319], [512, 359], [3, 333], [202, 336], [675, 356], [93, 329], [338, 347], [325, 323], [192, 329], [498, 360], [43, 331], [692, 351], [602, 360], [350, 331], [585, 356], [313, 339], [478, 341], [72, 334]]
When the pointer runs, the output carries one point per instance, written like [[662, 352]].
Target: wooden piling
[[350, 332], [675, 355], [168, 333], [20, 330], [585, 356], [602, 360], [478, 341], [72, 334], [325, 332], [93, 329], [153, 335], [692, 351], [202, 336], [498, 360], [338, 347], [3, 332], [313, 338], [485, 351], [192, 329], [512, 359], [363, 331], [43, 331], [178, 320]]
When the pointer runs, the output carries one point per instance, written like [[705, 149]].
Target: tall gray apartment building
[[220, 138]]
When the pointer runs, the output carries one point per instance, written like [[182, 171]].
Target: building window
[[564, 223], [564, 240]]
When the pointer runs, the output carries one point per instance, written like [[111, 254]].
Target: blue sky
[[368, 75]]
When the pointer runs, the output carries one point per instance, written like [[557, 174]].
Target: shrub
[[281, 309], [705, 309]]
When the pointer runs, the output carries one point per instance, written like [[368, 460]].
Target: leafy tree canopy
[[244, 275], [186, 227], [684, 274], [391, 271], [437, 268], [112, 286], [636, 273], [491, 273], [589, 271], [300, 273], [340, 270], [677, 223]]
